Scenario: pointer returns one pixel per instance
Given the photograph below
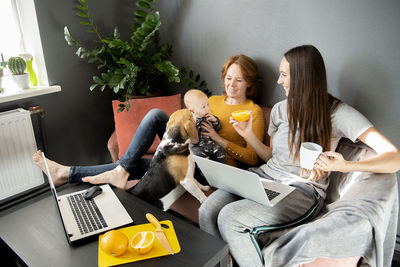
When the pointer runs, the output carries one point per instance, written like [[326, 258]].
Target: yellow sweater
[[238, 150]]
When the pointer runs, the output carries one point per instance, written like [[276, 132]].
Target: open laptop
[[242, 183], [82, 217]]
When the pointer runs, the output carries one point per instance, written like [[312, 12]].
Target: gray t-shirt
[[346, 122]]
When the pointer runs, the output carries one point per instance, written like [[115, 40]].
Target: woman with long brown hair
[[309, 114]]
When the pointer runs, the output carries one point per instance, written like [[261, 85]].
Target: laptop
[[242, 183], [82, 217]]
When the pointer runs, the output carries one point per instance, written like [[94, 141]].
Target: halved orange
[[241, 115], [143, 242], [114, 243]]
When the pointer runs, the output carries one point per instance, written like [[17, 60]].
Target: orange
[[143, 242], [241, 115], [114, 243]]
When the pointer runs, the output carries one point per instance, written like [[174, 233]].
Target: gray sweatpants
[[231, 217]]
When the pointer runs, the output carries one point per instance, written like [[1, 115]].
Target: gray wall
[[359, 40]]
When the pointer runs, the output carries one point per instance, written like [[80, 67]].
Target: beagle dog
[[173, 162]]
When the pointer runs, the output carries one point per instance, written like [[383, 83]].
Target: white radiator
[[18, 172]]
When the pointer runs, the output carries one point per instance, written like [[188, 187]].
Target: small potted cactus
[[17, 67]]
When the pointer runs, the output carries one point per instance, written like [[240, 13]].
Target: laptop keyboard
[[86, 213], [271, 193]]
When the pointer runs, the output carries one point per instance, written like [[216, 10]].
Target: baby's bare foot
[[58, 172], [118, 177]]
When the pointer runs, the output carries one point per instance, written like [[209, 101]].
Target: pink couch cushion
[[127, 122]]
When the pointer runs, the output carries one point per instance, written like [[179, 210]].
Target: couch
[[359, 220], [356, 228]]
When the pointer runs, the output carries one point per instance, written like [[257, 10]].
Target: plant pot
[[21, 80], [1, 84]]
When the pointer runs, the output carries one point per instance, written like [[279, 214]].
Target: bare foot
[[58, 172], [118, 177]]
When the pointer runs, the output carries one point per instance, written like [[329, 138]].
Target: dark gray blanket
[[360, 219]]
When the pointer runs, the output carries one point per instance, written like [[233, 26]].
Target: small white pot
[[1, 84], [21, 81]]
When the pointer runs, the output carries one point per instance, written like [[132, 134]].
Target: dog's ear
[[190, 128], [174, 119]]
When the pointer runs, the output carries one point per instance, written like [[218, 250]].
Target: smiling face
[[235, 84], [284, 75]]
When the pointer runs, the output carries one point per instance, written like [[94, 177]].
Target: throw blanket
[[360, 220]]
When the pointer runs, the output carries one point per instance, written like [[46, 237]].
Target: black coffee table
[[33, 230]]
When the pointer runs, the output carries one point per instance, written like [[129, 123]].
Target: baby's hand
[[211, 118]]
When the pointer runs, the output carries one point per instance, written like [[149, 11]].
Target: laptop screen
[[52, 187]]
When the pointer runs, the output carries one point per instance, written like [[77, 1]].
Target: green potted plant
[[136, 67], [17, 67]]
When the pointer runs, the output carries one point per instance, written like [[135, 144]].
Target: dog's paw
[[206, 188], [202, 200]]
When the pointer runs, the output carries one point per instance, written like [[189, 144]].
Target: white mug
[[309, 153]]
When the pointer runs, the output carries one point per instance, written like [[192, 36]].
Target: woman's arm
[[387, 159], [245, 154], [245, 129]]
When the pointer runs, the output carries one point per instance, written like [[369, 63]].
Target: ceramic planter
[[21, 81], [1, 84], [1, 80]]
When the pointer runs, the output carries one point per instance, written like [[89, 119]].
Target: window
[[12, 41], [19, 33]]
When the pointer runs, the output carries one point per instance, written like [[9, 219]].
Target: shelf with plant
[[17, 68], [136, 67]]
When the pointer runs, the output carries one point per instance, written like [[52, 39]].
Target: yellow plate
[[130, 255]]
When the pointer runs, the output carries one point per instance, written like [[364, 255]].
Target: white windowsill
[[17, 94]]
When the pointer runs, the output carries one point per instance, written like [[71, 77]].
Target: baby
[[197, 102]]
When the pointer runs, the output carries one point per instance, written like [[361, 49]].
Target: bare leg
[[58, 172], [118, 177]]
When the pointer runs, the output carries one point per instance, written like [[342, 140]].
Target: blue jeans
[[153, 123]]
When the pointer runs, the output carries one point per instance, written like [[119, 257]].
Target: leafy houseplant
[[134, 67], [194, 80]]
